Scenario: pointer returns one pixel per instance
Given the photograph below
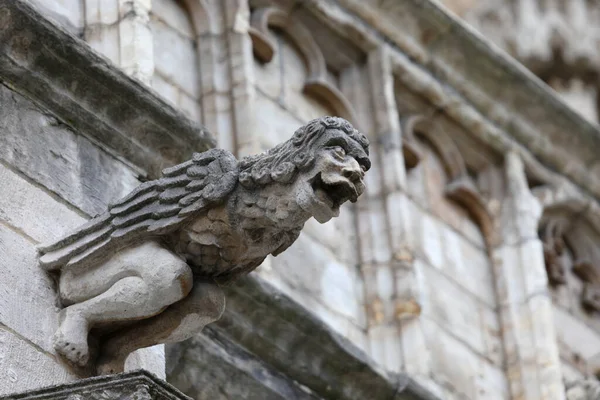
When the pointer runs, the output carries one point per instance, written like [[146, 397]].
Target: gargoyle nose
[[353, 173]]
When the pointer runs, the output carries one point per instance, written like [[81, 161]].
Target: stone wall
[[438, 271], [52, 180], [558, 41]]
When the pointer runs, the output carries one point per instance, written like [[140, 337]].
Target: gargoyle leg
[[180, 321], [151, 278]]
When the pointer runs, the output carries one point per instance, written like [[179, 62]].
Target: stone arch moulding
[[460, 186], [570, 221], [316, 83], [200, 14], [410, 148]]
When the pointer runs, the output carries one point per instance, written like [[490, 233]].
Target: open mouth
[[333, 194]]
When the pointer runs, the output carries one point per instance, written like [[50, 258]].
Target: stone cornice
[[65, 76], [474, 82], [130, 385], [290, 339]]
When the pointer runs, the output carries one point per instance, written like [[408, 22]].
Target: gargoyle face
[[336, 177]]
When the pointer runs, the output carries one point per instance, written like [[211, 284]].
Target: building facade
[[468, 270]]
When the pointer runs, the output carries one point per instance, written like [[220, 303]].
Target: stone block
[[492, 337], [415, 348], [166, 89], [32, 210], [575, 338], [105, 40], [66, 13], [151, 359], [28, 303], [452, 307], [385, 347], [48, 152], [338, 235], [468, 265], [401, 228], [430, 243], [268, 78], [277, 124], [176, 58], [136, 41], [190, 106], [313, 271], [491, 383], [520, 271], [415, 186], [173, 14], [24, 366], [453, 364], [101, 12]]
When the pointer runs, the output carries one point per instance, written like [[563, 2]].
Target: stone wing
[[154, 208]]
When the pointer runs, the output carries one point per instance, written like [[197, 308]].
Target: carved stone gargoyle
[[149, 269]]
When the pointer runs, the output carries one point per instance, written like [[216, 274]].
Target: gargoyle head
[[324, 163]]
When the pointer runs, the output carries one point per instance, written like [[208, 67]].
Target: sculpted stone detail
[[148, 270], [137, 385], [570, 231], [583, 390]]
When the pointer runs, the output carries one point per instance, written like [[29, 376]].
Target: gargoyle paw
[[70, 341]]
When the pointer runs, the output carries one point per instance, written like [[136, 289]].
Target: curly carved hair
[[284, 161]]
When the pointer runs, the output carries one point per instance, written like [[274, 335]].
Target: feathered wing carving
[[154, 208]]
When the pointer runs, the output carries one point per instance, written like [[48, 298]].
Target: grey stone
[[158, 255], [49, 152], [137, 385], [135, 123], [266, 335]]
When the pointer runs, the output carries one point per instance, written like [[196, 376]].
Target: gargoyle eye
[[339, 151]]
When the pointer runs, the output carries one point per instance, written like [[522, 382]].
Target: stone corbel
[[590, 297], [554, 247], [570, 220], [410, 148], [316, 83]]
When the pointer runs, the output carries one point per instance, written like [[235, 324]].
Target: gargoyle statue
[[149, 270]]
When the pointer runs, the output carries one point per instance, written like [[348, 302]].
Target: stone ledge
[[65, 76], [137, 385], [289, 340]]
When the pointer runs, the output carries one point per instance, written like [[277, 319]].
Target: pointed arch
[[460, 187], [316, 83]]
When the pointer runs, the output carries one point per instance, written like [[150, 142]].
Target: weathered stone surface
[[211, 366], [138, 385], [24, 366], [32, 210], [219, 219], [135, 124], [175, 57], [271, 336], [49, 152], [66, 13], [28, 303]]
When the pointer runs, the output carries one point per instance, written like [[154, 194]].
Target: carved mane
[[284, 161]]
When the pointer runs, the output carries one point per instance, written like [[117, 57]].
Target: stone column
[[387, 262], [135, 39], [525, 306], [241, 65], [120, 30]]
